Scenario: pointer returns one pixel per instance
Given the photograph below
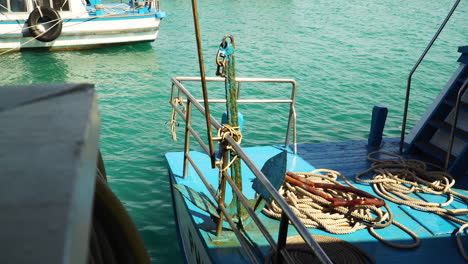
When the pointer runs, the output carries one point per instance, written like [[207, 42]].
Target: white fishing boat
[[76, 24]]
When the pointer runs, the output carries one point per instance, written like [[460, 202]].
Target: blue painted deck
[[437, 235]]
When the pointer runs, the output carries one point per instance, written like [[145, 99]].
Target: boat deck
[[438, 239]]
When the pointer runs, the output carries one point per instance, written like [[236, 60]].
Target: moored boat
[[76, 24], [223, 220]]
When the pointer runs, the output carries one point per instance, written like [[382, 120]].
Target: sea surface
[[346, 56]]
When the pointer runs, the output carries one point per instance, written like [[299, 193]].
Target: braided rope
[[395, 178], [180, 102], [459, 242], [339, 251], [234, 133], [317, 212]]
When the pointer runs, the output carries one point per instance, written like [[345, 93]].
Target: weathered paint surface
[[346, 157]]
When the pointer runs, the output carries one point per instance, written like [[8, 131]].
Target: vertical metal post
[[188, 123], [222, 188], [292, 120], [455, 121], [282, 235], [408, 87], [172, 92], [203, 82]]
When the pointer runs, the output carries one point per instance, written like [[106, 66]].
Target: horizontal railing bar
[[233, 186], [202, 177], [200, 108], [238, 234], [313, 245], [176, 81], [198, 139], [248, 101], [281, 202], [192, 131], [244, 202], [238, 79], [259, 223]]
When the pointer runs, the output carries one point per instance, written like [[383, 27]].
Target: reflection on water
[[42, 66], [29, 67], [345, 56]]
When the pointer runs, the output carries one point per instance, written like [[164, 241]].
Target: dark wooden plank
[[348, 157]]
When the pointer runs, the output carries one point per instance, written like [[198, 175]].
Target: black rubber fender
[[48, 15], [117, 238]]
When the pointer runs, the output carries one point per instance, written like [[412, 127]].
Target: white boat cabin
[[27, 6]]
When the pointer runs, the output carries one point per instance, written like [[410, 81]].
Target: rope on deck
[[339, 251], [317, 212], [396, 178], [459, 242]]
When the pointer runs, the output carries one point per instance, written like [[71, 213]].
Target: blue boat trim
[[347, 157], [91, 18], [106, 32], [101, 32], [106, 18]]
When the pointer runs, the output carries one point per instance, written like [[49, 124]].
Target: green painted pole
[[229, 72]]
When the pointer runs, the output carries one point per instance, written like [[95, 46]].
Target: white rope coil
[[173, 123], [233, 132], [316, 212], [395, 179]]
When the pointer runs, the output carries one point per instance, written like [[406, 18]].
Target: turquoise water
[[345, 55]]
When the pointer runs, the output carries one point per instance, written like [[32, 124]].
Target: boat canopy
[[28, 5], [13, 6]]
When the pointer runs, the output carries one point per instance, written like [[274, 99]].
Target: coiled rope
[[395, 179], [317, 212], [339, 251], [234, 133], [459, 242]]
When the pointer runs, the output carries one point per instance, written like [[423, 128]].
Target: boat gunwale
[[288, 214]]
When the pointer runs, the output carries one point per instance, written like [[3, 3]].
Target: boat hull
[[79, 33], [190, 241], [197, 230]]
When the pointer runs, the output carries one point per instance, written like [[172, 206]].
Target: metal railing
[[408, 87], [288, 215], [460, 93]]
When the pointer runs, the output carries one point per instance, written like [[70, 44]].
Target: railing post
[[408, 86], [454, 125], [203, 82], [188, 118], [222, 188], [282, 235], [292, 120]]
